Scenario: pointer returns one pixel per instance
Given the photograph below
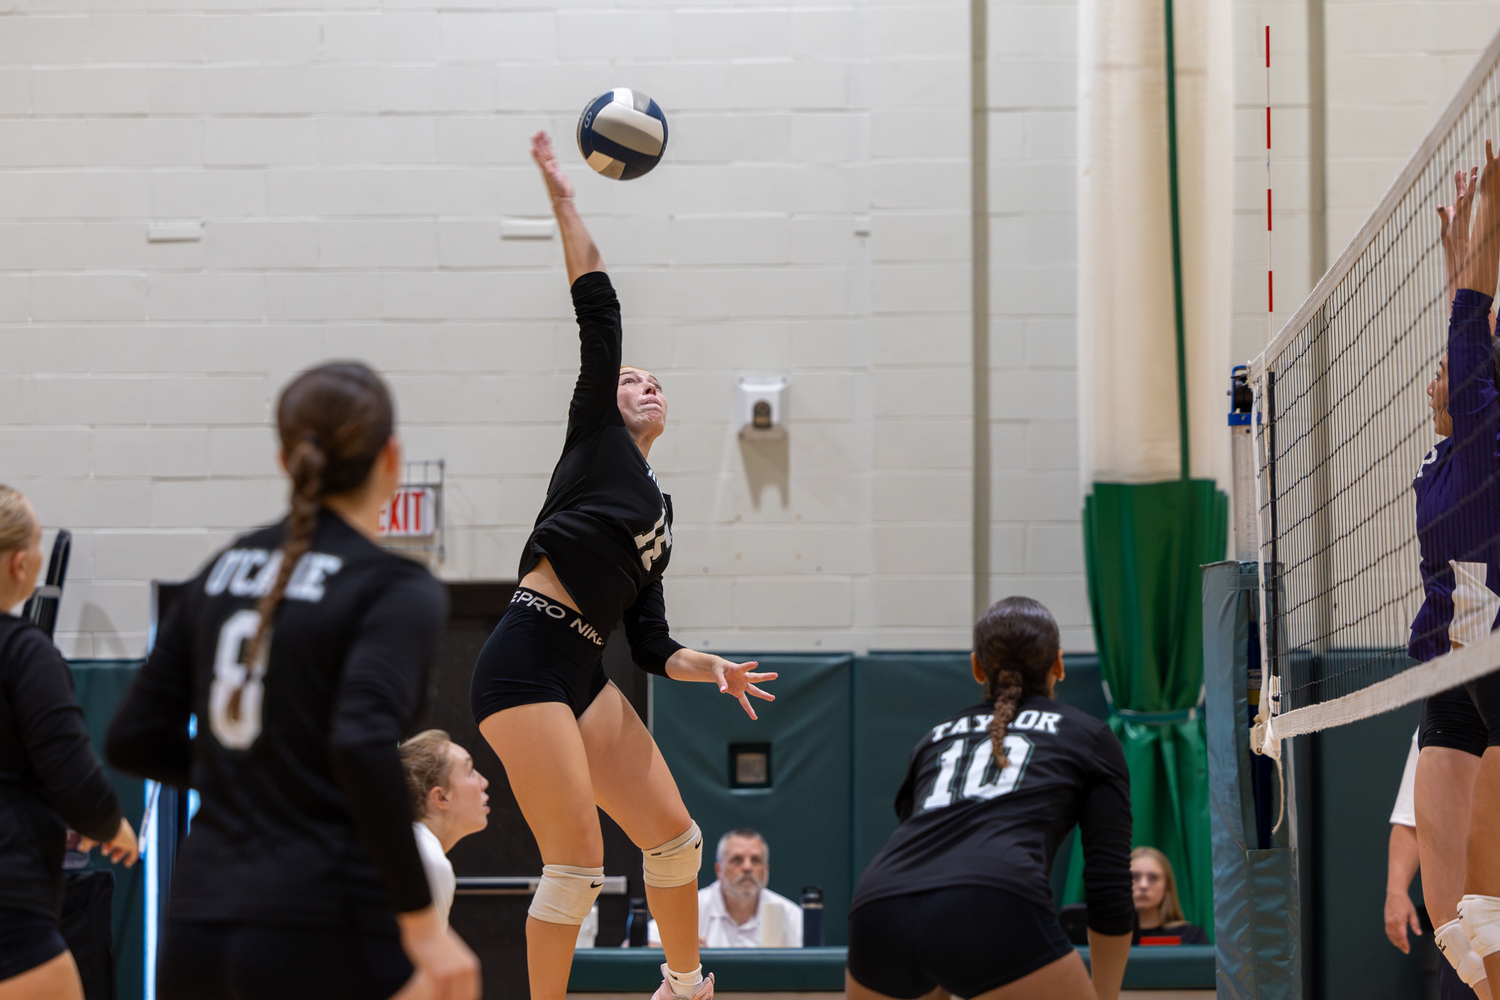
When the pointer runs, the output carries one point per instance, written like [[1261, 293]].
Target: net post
[[1257, 907]]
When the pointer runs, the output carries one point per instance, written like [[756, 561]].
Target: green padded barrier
[[736, 970], [900, 695], [805, 814], [796, 970], [99, 686], [1179, 967]]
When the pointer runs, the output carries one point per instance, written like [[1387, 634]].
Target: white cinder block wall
[[351, 165], [1036, 544]]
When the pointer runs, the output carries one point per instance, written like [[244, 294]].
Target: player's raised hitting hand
[[558, 186]]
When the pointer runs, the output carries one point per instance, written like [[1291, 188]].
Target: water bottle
[[635, 924], [812, 916]]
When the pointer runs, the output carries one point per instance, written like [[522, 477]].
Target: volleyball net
[[1341, 429]]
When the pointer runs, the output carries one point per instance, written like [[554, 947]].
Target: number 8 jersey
[[304, 815], [966, 821]]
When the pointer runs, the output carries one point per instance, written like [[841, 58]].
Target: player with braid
[[302, 649], [958, 902]]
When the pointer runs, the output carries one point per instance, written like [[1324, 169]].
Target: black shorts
[[1464, 718], [232, 960], [966, 939], [27, 940], [541, 651]]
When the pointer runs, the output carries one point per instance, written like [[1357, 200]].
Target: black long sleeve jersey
[[304, 816], [966, 822], [49, 777], [606, 524]]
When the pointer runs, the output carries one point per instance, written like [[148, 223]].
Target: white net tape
[[1344, 425]]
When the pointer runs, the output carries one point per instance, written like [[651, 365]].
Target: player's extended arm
[[1104, 824], [1400, 869], [1480, 268], [579, 252], [734, 679], [56, 740], [1108, 954]]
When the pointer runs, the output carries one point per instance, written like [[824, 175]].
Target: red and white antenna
[[1270, 276]]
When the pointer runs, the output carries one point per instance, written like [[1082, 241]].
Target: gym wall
[[353, 165], [339, 179]]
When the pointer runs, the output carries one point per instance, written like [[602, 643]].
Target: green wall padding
[[898, 696], [100, 685], [805, 814]]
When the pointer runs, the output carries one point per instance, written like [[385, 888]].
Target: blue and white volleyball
[[622, 134]]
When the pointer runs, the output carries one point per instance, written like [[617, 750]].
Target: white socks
[[683, 984]]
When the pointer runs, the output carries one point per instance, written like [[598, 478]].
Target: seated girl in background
[[1159, 918], [448, 799]]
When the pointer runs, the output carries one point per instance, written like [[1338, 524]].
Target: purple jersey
[[1458, 495]]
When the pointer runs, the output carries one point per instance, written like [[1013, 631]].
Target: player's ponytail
[[1016, 642], [333, 421]]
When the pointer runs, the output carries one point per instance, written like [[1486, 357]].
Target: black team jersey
[[49, 778], [304, 816], [966, 822], [606, 525]]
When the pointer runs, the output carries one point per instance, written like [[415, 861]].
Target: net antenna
[[1341, 430]]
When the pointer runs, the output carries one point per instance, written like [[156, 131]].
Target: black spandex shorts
[[27, 940], [967, 939], [1464, 718], [233, 960], [541, 651]]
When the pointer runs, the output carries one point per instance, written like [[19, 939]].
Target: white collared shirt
[[440, 880], [776, 922], [1405, 811]]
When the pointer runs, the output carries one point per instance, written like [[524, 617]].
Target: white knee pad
[[566, 894], [1480, 916], [1454, 944], [676, 862]]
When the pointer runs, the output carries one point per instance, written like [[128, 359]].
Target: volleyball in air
[[622, 134]]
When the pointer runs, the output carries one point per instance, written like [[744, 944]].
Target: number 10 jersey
[[966, 821]]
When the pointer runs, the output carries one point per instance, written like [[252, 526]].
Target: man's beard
[[745, 890]]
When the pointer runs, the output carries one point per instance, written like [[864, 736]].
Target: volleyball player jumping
[[567, 737], [958, 902], [1453, 735], [1458, 493], [302, 649]]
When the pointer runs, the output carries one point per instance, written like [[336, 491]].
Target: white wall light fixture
[[761, 408]]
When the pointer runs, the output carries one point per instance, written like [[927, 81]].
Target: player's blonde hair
[[428, 765], [1171, 906], [17, 522], [1016, 642]]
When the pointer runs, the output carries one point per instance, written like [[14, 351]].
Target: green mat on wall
[[99, 686], [804, 815]]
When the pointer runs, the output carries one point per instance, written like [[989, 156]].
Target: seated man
[[737, 910]]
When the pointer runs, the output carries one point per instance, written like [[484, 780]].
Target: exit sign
[[412, 513]]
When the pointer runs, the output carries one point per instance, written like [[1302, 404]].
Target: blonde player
[[449, 802]]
